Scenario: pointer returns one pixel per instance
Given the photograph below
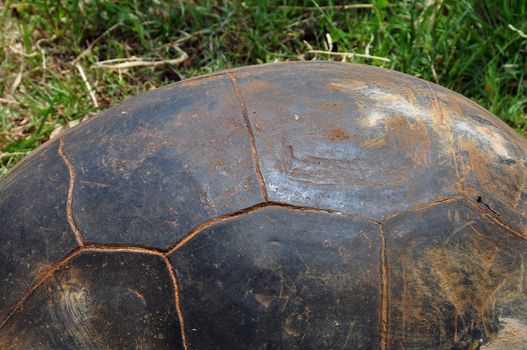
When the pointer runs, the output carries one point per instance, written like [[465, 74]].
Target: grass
[[57, 58]]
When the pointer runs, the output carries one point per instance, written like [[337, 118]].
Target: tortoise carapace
[[308, 205]]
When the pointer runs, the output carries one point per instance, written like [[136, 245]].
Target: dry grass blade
[[87, 83], [132, 62], [187, 36], [339, 7], [334, 7], [12, 154], [93, 43], [8, 101], [17, 81], [348, 55], [522, 34], [20, 52]]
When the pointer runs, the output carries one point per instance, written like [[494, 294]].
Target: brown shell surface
[[299, 205]]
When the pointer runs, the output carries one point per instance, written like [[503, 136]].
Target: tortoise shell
[[287, 206]]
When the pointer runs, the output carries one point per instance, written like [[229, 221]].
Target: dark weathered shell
[[298, 205]]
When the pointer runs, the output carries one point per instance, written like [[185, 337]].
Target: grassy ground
[[59, 59]]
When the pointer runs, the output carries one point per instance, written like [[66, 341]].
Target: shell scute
[[160, 164]]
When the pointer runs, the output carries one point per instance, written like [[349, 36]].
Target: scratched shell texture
[[291, 206]]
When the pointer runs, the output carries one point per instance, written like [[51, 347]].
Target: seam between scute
[[422, 206], [227, 217], [384, 292], [177, 299], [248, 125], [495, 219], [69, 202], [242, 212], [463, 198]]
